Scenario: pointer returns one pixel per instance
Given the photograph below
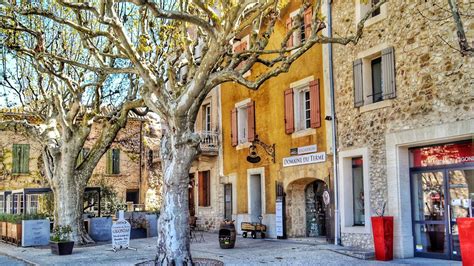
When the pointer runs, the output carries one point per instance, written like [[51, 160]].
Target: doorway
[[315, 209], [255, 197], [439, 197], [132, 196]]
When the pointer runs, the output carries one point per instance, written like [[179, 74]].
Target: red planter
[[382, 228], [466, 229]]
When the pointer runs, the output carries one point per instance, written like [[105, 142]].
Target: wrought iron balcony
[[209, 143]]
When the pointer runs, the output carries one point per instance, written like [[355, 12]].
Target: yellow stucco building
[[288, 111]]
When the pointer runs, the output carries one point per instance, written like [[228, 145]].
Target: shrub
[[61, 233]]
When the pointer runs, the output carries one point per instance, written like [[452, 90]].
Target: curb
[[18, 258]]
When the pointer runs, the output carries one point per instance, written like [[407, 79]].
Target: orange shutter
[[289, 113], [234, 135], [240, 48], [289, 25], [308, 17], [315, 105], [251, 121]]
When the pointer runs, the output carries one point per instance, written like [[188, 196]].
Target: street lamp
[[253, 157]]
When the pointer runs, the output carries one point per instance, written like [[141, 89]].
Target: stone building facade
[[206, 187], [403, 86], [130, 177]]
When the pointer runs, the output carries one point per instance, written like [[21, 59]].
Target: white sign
[[121, 233], [326, 197], [279, 218], [307, 149], [304, 159]]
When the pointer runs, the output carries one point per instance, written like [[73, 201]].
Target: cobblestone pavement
[[6, 260], [246, 252]]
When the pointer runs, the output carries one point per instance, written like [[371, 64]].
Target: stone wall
[[434, 83]]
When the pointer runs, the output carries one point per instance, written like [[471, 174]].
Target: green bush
[[17, 218], [61, 234]]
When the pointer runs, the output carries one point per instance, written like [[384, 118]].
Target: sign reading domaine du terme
[[304, 159]]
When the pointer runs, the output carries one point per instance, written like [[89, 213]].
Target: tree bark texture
[[173, 224]]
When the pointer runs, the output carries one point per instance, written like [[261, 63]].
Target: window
[[32, 203], [206, 123], [204, 189], [374, 76], [358, 191], [2, 203], [364, 6], [240, 45], [243, 122], [301, 34], [82, 155], [113, 162], [302, 106], [376, 73], [21, 158]]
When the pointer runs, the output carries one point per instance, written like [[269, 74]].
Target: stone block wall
[[434, 83]]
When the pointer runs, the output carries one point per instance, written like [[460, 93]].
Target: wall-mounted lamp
[[254, 157], [328, 118]]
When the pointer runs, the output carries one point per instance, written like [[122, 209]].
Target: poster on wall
[[280, 217]]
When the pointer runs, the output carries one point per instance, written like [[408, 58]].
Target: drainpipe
[[337, 226]]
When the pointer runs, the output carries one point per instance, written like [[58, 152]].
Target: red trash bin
[[466, 229], [382, 228]]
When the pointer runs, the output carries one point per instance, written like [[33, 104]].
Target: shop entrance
[[315, 209], [441, 193]]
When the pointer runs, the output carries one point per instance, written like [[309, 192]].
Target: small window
[[113, 162], [358, 191], [21, 158], [303, 108], [204, 188], [376, 73], [206, 123], [242, 116]]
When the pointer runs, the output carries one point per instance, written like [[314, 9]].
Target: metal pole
[[334, 131]]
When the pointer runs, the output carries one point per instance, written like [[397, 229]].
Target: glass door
[[429, 214], [461, 198]]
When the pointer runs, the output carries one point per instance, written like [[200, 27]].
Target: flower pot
[[3, 230], [382, 229], [466, 228], [61, 248]]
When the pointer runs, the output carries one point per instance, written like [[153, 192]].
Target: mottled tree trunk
[[173, 224], [68, 189]]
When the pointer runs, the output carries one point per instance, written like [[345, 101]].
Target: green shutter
[[16, 158], [109, 162], [25, 158], [116, 157]]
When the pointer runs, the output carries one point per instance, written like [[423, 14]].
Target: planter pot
[[382, 228], [3, 230], [61, 248], [466, 229], [14, 233], [100, 228], [35, 233]]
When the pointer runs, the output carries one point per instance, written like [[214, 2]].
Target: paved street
[[246, 252]]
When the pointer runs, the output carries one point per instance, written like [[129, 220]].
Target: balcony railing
[[209, 142]]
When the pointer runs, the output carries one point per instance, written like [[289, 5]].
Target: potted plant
[[382, 229], [3, 225], [14, 228], [466, 228], [60, 242], [36, 230]]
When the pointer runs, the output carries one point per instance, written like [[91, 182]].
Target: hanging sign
[[304, 159], [121, 233]]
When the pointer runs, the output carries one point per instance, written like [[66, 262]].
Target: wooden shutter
[[108, 166], [358, 84], [289, 112], [234, 133], [308, 17], [204, 188], [289, 25], [240, 48], [388, 73], [25, 158], [16, 158], [315, 104], [251, 121]]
